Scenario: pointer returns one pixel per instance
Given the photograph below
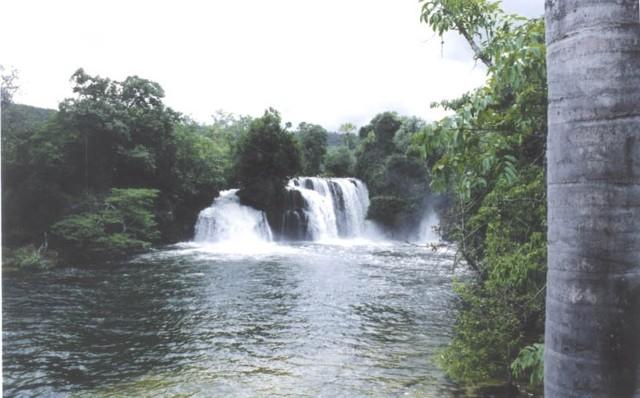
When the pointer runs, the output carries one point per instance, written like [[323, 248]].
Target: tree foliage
[[123, 223], [313, 144], [124, 129], [8, 86], [267, 157], [339, 162], [530, 361], [396, 176], [110, 134], [490, 155]]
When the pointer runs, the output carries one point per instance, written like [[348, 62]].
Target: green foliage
[[339, 162], [28, 258], [484, 323], [111, 134], [490, 155], [267, 157], [125, 223], [8, 86], [123, 131], [349, 139], [530, 361], [403, 137], [384, 126], [396, 178], [203, 166], [472, 18], [18, 122], [369, 160], [313, 143], [36, 164], [347, 128], [228, 129], [387, 209]]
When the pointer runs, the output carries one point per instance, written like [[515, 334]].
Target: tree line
[[115, 171]]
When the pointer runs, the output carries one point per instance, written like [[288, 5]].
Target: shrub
[[28, 257], [530, 361], [125, 224]]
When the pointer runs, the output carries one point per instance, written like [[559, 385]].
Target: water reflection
[[302, 320]]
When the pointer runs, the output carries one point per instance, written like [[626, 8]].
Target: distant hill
[[18, 119]]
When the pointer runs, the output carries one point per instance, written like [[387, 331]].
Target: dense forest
[[114, 171], [121, 171]]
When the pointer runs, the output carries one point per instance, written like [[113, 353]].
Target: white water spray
[[427, 232], [334, 207], [228, 220]]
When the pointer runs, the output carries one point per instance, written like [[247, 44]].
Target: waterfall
[[228, 220], [314, 209], [426, 232], [329, 208]]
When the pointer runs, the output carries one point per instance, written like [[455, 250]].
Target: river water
[[341, 319]]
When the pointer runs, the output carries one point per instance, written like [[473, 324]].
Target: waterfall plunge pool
[[236, 314], [348, 318]]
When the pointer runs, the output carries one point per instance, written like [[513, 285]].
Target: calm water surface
[[330, 320]]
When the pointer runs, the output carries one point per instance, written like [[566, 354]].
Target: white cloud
[[324, 62]]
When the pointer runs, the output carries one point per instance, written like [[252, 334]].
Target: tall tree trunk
[[592, 336]]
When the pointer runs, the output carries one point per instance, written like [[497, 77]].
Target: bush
[[125, 224], [502, 310], [28, 257], [530, 362]]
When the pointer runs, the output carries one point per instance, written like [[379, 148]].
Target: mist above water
[[427, 231]]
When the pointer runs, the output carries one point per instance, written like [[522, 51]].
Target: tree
[[124, 129], [475, 20], [313, 142], [489, 156], [266, 158], [408, 129], [339, 162], [123, 223], [397, 182], [202, 168], [592, 334], [8, 86], [349, 138]]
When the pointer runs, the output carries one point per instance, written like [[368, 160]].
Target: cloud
[[527, 8]]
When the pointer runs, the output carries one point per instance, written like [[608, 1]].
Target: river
[[346, 318]]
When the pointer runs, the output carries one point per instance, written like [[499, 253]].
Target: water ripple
[[357, 319]]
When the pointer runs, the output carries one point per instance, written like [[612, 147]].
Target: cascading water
[[314, 209], [228, 220], [329, 208], [426, 232]]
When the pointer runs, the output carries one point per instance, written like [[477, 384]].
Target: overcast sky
[[326, 62]]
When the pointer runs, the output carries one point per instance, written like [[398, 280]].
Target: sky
[[326, 62]]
